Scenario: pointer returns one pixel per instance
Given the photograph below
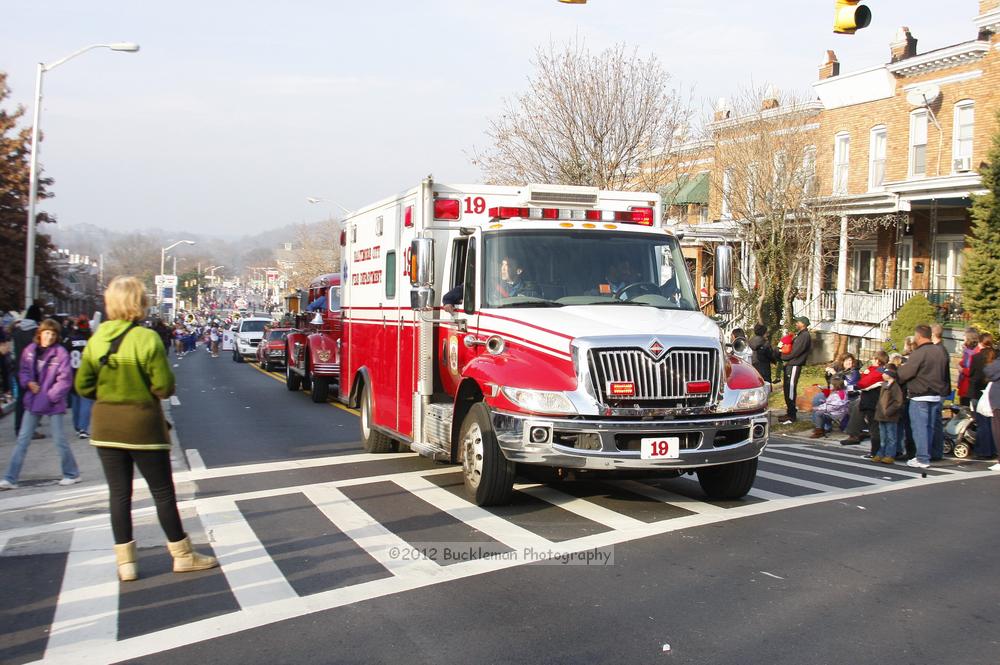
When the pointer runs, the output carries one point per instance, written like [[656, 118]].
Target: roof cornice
[[988, 22], [806, 108], [951, 56]]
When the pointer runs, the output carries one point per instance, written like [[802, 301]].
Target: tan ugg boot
[[128, 569], [186, 559]]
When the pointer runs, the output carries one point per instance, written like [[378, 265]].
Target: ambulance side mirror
[[422, 274], [723, 279]]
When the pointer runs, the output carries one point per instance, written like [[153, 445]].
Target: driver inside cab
[[618, 275]]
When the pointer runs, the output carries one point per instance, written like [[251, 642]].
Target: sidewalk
[[39, 501]]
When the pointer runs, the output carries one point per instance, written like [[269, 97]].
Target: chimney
[[903, 46], [830, 66], [770, 99], [722, 110]]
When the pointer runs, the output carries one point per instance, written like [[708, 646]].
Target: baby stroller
[[960, 432]]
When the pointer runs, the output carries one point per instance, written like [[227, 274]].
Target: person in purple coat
[[46, 373]]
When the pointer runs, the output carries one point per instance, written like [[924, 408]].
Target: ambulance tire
[[292, 380], [372, 440], [488, 475], [728, 481], [320, 391]]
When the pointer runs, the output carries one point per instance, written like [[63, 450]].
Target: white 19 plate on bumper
[[660, 447]]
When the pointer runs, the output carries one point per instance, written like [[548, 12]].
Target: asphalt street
[[331, 555]]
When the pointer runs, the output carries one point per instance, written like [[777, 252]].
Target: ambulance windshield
[[554, 268]]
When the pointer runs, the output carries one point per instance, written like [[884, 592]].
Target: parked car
[[271, 350]]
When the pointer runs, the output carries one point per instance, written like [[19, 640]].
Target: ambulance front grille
[[657, 383]]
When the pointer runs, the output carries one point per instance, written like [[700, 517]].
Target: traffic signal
[[850, 16]]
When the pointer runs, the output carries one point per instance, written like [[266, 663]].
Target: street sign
[[169, 281]]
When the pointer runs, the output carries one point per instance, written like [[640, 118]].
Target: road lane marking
[[823, 452], [664, 496], [791, 480], [495, 527], [333, 403], [369, 534], [252, 574], [195, 463], [228, 624], [582, 507], [871, 466], [829, 472], [86, 616], [292, 465]]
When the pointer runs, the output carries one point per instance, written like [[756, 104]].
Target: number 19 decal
[[666, 447], [475, 206]]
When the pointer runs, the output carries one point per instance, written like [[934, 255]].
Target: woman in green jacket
[[124, 367]]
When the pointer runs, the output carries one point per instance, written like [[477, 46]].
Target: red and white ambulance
[[546, 325]]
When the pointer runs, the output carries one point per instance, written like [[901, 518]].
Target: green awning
[[686, 189], [695, 190]]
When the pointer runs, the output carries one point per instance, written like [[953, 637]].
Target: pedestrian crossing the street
[[298, 537]]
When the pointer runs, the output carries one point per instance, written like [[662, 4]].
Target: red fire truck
[[541, 325], [313, 348]]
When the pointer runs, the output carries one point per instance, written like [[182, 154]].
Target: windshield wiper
[[626, 302], [532, 303]]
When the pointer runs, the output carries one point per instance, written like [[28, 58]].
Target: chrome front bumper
[[713, 441]]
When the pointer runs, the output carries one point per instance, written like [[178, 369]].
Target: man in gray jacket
[[926, 377]]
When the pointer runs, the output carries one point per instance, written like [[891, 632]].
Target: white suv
[[249, 332]]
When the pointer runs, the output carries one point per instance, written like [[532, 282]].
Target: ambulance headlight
[[752, 399], [539, 401]]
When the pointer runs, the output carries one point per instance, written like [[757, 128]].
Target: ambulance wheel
[[320, 389], [292, 380], [728, 481], [372, 440], [962, 450], [489, 476]]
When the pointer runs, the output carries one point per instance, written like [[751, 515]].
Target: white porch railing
[[877, 308]]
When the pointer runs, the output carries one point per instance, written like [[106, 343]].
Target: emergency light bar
[[643, 216]]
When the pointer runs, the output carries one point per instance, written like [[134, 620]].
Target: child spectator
[[887, 413], [831, 411]]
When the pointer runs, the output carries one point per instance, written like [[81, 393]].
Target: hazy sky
[[234, 112]]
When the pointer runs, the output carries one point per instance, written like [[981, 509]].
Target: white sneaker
[[7, 485], [917, 464], [69, 481], [995, 467], [787, 421]]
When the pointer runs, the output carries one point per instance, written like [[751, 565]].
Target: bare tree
[[317, 252], [134, 254], [587, 119]]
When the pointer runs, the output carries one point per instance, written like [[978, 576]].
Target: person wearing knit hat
[[794, 360]]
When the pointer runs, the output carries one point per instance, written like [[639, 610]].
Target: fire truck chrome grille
[[662, 382]]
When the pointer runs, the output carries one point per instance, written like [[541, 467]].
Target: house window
[[876, 158], [703, 214], [949, 262], [904, 265], [809, 170], [727, 185], [841, 162], [918, 143], [961, 149], [752, 174], [863, 260]]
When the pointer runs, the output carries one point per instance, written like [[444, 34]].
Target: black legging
[[154, 465]]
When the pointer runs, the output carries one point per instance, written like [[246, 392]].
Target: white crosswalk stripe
[[87, 621]]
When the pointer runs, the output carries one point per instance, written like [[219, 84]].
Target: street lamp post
[[163, 259], [320, 199], [29, 262]]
